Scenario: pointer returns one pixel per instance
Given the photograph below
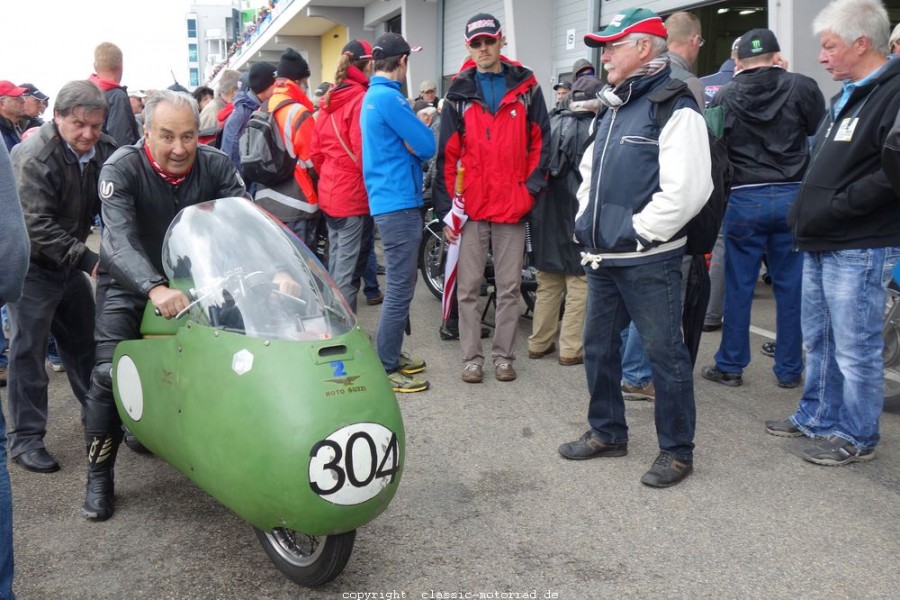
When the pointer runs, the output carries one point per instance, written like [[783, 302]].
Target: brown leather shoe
[[570, 361], [591, 446], [542, 353], [376, 300], [504, 372]]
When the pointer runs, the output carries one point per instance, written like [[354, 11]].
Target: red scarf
[[104, 84], [170, 178]]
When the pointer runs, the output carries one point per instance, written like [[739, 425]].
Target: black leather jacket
[[139, 205], [59, 200]]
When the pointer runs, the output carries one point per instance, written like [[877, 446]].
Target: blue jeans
[[843, 312], [650, 295], [4, 361], [635, 365], [401, 233], [756, 224], [6, 527]]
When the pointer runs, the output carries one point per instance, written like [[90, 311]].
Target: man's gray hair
[[853, 19], [79, 94], [228, 82], [657, 44], [176, 99]]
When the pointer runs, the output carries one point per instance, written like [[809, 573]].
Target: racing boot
[[98, 500]]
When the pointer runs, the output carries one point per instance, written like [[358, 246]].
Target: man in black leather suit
[[142, 188]]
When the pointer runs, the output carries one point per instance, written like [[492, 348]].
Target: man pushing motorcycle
[[142, 187]]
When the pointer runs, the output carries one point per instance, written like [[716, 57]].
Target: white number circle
[[354, 463]]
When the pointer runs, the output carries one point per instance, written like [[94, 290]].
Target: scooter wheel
[[307, 560]]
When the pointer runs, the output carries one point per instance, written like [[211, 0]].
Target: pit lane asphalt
[[486, 505]]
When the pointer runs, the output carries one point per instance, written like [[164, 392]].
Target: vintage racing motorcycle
[[264, 391]]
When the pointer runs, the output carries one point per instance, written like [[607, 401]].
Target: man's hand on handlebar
[[168, 302], [286, 284]]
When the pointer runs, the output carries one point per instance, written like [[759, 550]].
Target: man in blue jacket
[[636, 197], [261, 84], [395, 144]]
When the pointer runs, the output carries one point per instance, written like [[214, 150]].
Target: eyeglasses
[[701, 42], [610, 48], [488, 41]]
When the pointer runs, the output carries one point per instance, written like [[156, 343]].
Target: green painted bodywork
[[246, 439]]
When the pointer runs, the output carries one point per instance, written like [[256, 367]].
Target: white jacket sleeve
[[584, 190], [684, 178]]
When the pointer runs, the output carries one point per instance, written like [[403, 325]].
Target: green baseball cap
[[633, 20]]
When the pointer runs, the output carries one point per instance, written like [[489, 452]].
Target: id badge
[[845, 130]]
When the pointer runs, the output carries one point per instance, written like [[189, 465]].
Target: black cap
[[586, 88], [420, 105], [322, 89], [292, 65], [566, 85], [391, 44], [358, 50], [757, 42], [482, 25], [33, 91], [262, 76]]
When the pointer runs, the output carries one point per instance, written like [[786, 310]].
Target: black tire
[[432, 255], [309, 561]]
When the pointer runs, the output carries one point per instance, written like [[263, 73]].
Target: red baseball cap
[[8, 88]]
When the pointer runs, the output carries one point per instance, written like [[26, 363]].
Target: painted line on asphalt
[[763, 332]]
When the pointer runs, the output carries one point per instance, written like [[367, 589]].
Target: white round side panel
[[128, 381]]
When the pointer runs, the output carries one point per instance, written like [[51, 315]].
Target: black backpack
[[265, 157], [703, 229]]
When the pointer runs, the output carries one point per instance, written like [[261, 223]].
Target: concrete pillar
[[420, 26], [791, 20]]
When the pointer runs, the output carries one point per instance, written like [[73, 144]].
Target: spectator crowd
[[603, 193]]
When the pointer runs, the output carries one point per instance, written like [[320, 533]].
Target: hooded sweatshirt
[[769, 114], [337, 149]]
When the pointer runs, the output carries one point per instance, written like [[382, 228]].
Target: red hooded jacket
[[505, 155], [342, 192]]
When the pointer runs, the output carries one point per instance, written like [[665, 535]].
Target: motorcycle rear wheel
[[310, 561]]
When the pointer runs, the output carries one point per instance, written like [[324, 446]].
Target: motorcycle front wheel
[[307, 560]]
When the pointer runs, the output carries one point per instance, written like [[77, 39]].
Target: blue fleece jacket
[[392, 173]]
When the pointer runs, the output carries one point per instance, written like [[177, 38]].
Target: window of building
[[393, 25], [192, 53], [192, 28], [195, 77]]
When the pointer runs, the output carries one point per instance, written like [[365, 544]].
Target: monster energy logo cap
[[757, 42]]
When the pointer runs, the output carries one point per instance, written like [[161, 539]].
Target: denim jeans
[[347, 237], [650, 295], [401, 233], [6, 526], [3, 343], [756, 224], [635, 364], [843, 312]]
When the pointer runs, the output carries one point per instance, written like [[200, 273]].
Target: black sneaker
[[590, 446], [712, 373], [783, 428], [667, 470], [835, 452], [768, 349]]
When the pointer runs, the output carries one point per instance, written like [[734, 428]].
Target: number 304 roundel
[[354, 463]]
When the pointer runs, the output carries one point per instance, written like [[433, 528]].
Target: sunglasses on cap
[[487, 41]]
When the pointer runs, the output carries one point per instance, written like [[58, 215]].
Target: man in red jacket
[[495, 125]]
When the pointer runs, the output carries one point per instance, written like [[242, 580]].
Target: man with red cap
[[12, 107], [636, 197], [495, 124]]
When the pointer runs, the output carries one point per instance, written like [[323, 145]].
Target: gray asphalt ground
[[487, 506]]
